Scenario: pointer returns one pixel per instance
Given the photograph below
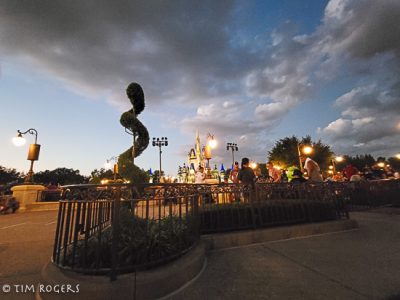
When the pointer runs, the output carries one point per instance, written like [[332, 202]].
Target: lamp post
[[107, 165], [337, 159], [233, 147], [306, 150], [211, 144], [34, 150], [160, 143]]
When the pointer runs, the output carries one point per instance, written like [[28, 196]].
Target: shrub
[[141, 242], [236, 216]]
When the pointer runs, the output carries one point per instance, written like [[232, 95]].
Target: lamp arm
[[32, 131]]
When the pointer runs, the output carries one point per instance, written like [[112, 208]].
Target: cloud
[[189, 53], [99, 47], [361, 40], [230, 121], [363, 28]]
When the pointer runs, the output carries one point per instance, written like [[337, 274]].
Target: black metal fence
[[121, 228], [235, 207], [369, 194]]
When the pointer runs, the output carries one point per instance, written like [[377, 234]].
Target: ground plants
[[140, 243]]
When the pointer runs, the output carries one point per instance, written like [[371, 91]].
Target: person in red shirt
[[234, 173], [349, 171]]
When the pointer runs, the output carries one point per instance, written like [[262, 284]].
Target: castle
[[197, 156]]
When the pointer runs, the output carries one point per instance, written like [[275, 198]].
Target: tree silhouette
[[285, 152]]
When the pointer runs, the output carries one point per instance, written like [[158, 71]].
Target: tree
[[133, 126], [130, 171], [394, 163], [359, 161], [156, 175], [9, 175], [98, 175], [285, 152], [61, 176]]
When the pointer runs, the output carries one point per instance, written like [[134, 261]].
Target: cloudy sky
[[248, 72]]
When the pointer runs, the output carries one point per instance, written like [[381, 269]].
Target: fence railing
[[369, 194], [234, 207], [123, 227], [48, 195]]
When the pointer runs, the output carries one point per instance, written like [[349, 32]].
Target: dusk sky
[[249, 72]]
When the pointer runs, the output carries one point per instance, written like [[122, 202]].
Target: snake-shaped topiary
[[132, 125]]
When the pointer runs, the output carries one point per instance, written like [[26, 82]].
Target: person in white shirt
[[312, 168], [200, 175]]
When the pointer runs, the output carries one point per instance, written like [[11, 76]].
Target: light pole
[[306, 150], [107, 165], [160, 143], [34, 149], [233, 147], [211, 144], [337, 159]]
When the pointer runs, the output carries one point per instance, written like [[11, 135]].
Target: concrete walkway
[[358, 264], [26, 241]]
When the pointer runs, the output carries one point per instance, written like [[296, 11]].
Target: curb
[[150, 284], [42, 206], [242, 238]]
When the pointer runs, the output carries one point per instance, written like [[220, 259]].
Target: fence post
[[115, 234]]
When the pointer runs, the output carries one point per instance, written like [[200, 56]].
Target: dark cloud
[[362, 39], [190, 53], [175, 49], [364, 28]]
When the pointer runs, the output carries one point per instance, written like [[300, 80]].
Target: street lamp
[[211, 141], [381, 164], [160, 143], [398, 155], [233, 147], [305, 150], [211, 144], [108, 165], [34, 149]]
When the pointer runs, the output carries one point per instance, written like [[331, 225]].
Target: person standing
[[200, 176], [246, 174], [349, 171], [312, 168], [273, 173], [234, 173]]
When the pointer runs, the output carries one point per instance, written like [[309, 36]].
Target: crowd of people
[[310, 172]]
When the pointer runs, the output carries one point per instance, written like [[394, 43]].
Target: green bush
[[237, 216], [140, 243]]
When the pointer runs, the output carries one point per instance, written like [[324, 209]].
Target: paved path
[[26, 241], [359, 264]]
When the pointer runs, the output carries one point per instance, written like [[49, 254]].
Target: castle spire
[[199, 155]]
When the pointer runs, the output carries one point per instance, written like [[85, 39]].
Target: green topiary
[[134, 127]]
